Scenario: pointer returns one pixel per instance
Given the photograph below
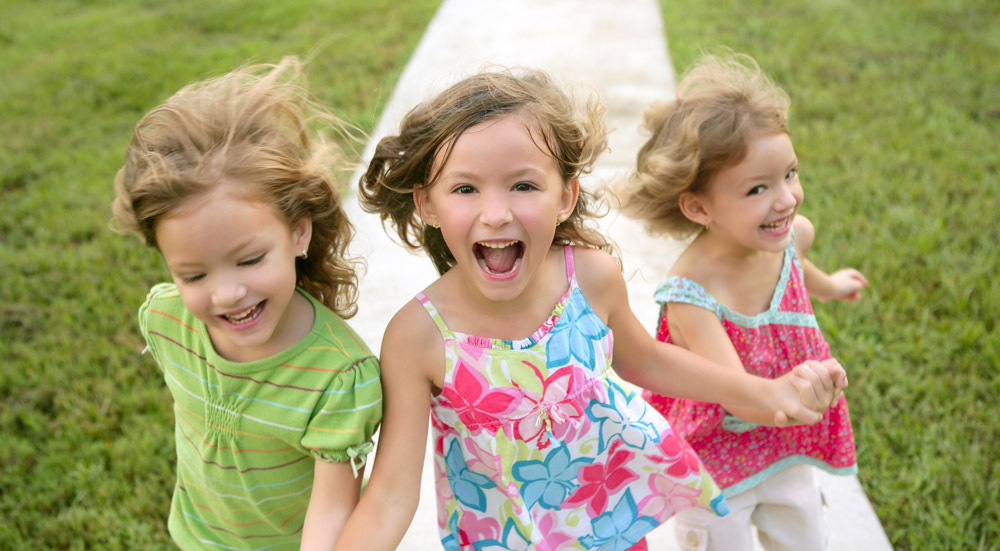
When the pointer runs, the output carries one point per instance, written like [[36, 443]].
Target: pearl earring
[[304, 254]]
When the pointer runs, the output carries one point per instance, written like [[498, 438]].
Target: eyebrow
[[765, 176], [466, 175], [233, 251]]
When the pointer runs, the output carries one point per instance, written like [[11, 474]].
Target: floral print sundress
[[741, 455], [538, 446]]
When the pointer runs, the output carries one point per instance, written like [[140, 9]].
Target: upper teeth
[[242, 314], [494, 245]]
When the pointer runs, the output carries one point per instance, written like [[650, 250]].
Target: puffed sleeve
[[346, 418]]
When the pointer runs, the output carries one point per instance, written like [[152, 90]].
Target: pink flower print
[[555, 412], [475, 529], [668, 497], [600, 481], [484, 461], [551, 539], [477, 404], [683, 461]]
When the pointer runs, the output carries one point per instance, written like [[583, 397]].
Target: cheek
[[197, 301]]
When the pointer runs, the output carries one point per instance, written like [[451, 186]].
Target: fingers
[[804, 382], [821, 378], [781, 419], [837, 373], [850, 282], [858, 276]]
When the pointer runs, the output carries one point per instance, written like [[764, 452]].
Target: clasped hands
[[820, 385]]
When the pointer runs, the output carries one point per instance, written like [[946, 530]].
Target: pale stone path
[[618, 47]]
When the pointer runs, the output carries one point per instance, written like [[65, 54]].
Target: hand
[[847, 284], [839, 376], [817, 385]]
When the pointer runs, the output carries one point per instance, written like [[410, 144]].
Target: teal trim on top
[[670, 291]]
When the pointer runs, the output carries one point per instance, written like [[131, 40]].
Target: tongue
[[500, 261]]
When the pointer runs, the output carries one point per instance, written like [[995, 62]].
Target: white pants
[[787, 510]]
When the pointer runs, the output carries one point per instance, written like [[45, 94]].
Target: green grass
[[86, 447], [896, 118], [896, 108]]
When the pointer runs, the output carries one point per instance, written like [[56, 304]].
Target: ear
[[570, 195], [302, 232], [695, 208], [424, 206]]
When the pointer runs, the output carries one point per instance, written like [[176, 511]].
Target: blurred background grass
[[87, 452], [896, 121], [896, 108]]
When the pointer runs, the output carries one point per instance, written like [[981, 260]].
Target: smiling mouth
[[245, 316], [776, 226], [499, 258]]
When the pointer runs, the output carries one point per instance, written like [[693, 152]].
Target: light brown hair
[[260, 130], [405, 162], [723, 103]]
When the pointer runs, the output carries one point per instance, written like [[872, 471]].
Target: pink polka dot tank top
[[740, 455], [537, 446]]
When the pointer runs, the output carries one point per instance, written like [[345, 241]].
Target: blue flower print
[[614, 419], [548, 483], [450, 542], [575, 334], [512, 540], [620, 528], [465, 484]]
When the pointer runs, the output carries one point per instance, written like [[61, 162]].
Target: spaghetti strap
[[570, 266], [432, 311]]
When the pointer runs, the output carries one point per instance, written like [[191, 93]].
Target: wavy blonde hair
[[724, 102], [259, 129], [404, 163]]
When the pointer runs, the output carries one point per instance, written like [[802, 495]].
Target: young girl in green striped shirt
[[276, 398]]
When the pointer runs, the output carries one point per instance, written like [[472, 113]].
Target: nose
[[495, 210], [228, 291], [789, 197]]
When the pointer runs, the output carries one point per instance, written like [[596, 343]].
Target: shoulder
[[412, 343], [163, 304], [600, 279], [596, 268], [336, 331], [804, 234]]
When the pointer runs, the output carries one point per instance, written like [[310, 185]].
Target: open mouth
[[244, 317], [499, 258], [776, 226]]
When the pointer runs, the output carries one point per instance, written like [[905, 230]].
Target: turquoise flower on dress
[[465, 484], [625, 416], [450, 542], [548, 483], [619, 529], [574, 335], [512, 540]]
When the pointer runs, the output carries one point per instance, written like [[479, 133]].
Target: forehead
[[220, 218], [765, 156], [514, 138]]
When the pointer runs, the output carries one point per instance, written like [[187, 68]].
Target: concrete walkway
[[618, 47]]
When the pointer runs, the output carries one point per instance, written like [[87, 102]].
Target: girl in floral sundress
[[537, 445], [720, 163]]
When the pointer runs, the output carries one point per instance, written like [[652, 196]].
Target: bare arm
[[334, 495], [844, 284], [673, 371], [699, 331], [408, 361]]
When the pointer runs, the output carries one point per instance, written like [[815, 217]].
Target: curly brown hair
[[724, 102], [404, 163], [257, 128]]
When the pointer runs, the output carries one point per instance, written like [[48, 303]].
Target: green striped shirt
[[248, 433]]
